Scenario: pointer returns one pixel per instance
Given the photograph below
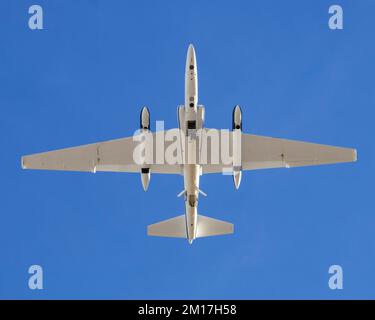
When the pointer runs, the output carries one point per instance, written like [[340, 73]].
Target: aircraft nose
[[190, 241], [191, 50], [190, 59]]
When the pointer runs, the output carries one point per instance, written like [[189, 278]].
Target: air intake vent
[[191, 125]]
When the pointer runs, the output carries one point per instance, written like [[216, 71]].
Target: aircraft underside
[[190, 150]]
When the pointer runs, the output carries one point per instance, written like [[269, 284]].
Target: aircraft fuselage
[[192, 121]]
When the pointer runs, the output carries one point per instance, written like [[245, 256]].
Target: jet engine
[[145, 127], [145, 119], [236, 134], [237, 118]]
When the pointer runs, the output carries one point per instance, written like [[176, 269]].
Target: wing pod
[[145, 178], [145, 119], [145, 127], [237, 118], [237, 133]]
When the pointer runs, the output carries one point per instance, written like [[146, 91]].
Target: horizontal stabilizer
[[175, 227], [212, 227]]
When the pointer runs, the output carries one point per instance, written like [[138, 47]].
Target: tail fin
[[212, 227], [176, 227]]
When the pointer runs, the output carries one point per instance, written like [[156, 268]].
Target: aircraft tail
[[176, 227], [207, 227]]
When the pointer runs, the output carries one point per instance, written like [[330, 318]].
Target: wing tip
[[23, 165], [355, 155]]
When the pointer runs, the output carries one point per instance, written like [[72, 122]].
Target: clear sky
[[85, 77]]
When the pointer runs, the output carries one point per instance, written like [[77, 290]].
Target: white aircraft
[[248, 152]]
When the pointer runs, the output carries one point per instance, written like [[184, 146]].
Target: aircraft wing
[[261, 152], [113, 155]]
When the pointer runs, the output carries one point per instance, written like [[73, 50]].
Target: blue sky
[[85, 77]]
